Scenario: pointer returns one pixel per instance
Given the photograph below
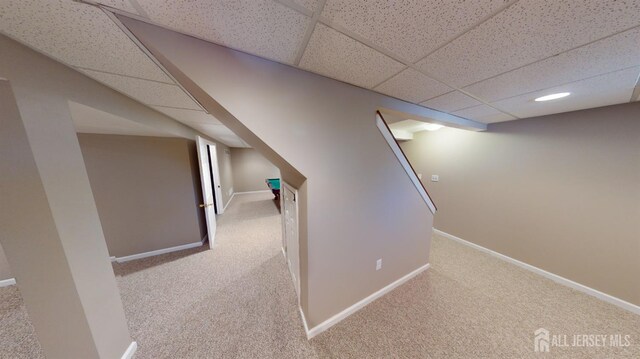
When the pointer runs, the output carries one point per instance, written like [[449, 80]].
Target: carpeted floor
[[238, 301]]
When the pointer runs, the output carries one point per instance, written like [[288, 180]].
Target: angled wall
[[358, 206]]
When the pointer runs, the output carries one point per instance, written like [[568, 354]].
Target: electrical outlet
[[379, 264], [435, 178]]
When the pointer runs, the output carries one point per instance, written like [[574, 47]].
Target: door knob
[[205, 205]]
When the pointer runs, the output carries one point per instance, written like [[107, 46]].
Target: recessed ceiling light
[[432, 126], [553, 96]]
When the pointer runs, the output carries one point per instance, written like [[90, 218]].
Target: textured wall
[[559, 192], [250, 169]]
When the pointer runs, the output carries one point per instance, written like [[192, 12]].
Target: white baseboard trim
[[204, 239], [158, 252], [128, 354], [229, 201], [113, 259], [7, 282], [554, 277], [359, 305], [250, 192]]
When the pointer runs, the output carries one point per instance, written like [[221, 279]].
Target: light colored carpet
[[238, 301]]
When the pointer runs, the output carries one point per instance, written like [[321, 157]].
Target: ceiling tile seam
[[554, 55], [472, 27], [404, 67], [444, 94], [100, 6], [635, 94], [308, 33], [296, 7], [568, 83], [464, 92], [121, 26], [123, 75], [55, 58], [393, 56], [139, 9]]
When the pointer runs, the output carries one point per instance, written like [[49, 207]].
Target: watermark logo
[[543, 340]]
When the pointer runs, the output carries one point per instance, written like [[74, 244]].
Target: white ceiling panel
[[147, 92], [615, 53], [125, 5], [484, 113], [76, 34], [528, 31], [188, 116], [413, 86], [90, 120], [412, 28], [451, 101], [260, 27], [311, 5], [608, 89], [335, 55]]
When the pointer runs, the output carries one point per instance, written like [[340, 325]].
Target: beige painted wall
[[250, 169], [326, 130], [559, 192], [5, 272], [226, 173], [147, 190]]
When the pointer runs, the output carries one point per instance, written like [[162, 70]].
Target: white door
[[211, 191], [291, 233]]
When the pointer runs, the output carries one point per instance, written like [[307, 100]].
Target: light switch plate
[[435, 178]]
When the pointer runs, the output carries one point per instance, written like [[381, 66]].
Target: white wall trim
[[229, 201], [7, 282], [359, 305], [554, 277], [249, 192], [128, 354], [113, 259], [158, 252]]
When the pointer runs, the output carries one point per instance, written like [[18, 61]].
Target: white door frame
[[289, 255], [207, 186]]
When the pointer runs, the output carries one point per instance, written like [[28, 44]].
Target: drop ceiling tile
[[484, 113], [119, 4], [607, 89], [614, 53], [260, 27], [188, 116], [525, 32], [335, 55], [147, 92], [308, 4], [413, 86], [451, 101], [76, 34], [413, 28]]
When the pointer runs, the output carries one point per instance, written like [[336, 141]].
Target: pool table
[[274, 186]]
